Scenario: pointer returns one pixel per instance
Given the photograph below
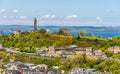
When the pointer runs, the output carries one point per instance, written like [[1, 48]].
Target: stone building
[[89, 50], [51, 49], [17, 31], [40, 52], [80, 50], [70, 50], [42, 68], [114, 49], [61, 50], [73, 50], [99, 54]]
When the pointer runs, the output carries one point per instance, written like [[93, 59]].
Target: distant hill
[[103, 31]]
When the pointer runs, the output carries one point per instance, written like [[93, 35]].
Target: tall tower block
[[35, 24]]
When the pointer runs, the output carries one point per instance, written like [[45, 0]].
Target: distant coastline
[[96, 30]]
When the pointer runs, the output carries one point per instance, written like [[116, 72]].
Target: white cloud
[[23, 17], [53, 16], [72, 17], [99, 19], [48, 16], [11, 17], [3, 10], [4, 16], [15, 11], [45, 16]]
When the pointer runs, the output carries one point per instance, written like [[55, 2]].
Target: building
[[51, 49], [78, 71], [17, 31], [52, 71], [114, 49], [84, 71], [89, 50], [73, 46], [31, 66], [85, 50], [99, 54], [13, 72], [61, 50], [35, 24], [80, 50], [66, 30], [92, 71], [105, 73], [18, 66], [24, 68], [1, 47], [73, 50], [40, 52], [42, 68]]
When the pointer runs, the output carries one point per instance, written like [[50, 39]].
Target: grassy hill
[[29, 41]]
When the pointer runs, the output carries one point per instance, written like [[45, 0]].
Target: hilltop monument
[[35, 24], [0, 33]]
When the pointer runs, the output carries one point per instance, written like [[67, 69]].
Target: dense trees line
[[28, 41]]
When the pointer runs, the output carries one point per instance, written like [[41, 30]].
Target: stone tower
[[35, 24], [0, 33]]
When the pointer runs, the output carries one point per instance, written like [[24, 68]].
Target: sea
[[96, 31]]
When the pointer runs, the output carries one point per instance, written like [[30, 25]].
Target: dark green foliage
[[42, 31], [78, 37], [60, 32], [34, 40], [6, 59], [43, 38], [81, 33]]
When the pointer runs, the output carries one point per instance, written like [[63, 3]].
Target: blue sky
[[61, 12]]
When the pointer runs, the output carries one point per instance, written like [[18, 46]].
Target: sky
[[60, 12]]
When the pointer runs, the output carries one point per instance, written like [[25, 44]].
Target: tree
[[82, 33], [90, 34], [42, 31], [78, 37], [60, 32], [6, 59], [84, 58]]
